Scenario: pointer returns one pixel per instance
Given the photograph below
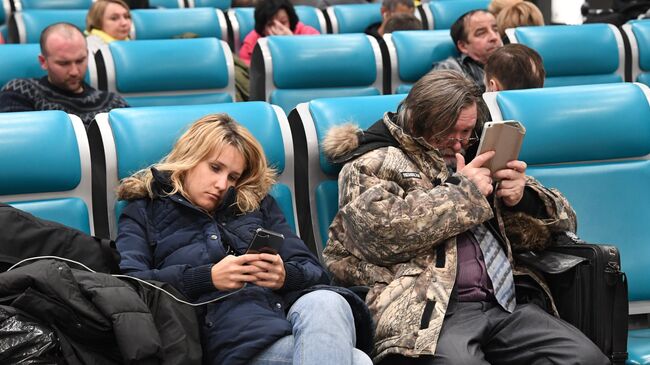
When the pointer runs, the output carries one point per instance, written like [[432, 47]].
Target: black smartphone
[[265, 241]]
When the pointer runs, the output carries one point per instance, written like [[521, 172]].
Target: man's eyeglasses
[[449, 141]]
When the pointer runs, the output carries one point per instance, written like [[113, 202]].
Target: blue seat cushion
[[418, 50], [52, 167], [355, 18], [71, 212], [287, 99], [188, 99], [638, 347], [327, 205], [195, 64], [445, 13], [604, 217], [37, 20], [167, 23]]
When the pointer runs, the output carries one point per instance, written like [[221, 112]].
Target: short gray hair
[[434, 103]]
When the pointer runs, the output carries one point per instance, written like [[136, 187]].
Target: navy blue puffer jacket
[[169, 239]]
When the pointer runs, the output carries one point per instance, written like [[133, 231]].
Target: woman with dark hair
[[273, 17]]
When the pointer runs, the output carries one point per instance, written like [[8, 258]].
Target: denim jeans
[[323, 333]]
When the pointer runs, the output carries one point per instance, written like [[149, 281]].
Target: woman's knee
[[322, 306]]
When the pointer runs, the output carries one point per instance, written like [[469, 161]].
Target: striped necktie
[[498, 267]]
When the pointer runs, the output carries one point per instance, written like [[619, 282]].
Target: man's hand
[[277, 28], [475, 171], [271, 272], [233, 271], [513, 182]]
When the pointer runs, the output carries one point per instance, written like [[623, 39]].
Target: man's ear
[[42, 62], [462, 46], [384, 12], [493, 85]]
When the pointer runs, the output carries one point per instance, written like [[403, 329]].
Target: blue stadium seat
[[242, 21], [638, 32], [21, 61], [317, 189], [353, 18], [219, 4], [30, 23], [170, 71], [441, 14], [592, 142], [166, 4], [135, 138], [287, 71], [45, 164], [412, 53], [576, 54], [52, 4], [169, 23]]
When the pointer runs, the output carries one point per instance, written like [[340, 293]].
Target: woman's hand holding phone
[[271, 274], [234, 271]]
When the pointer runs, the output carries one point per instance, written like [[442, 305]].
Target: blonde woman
[[107, 21], [189, 223], [519, 15]]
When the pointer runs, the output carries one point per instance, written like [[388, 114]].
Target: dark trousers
[[483, 333]]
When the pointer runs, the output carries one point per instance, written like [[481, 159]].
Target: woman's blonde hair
[[496, 6], [96, 12], [204, 137], [519, 15]]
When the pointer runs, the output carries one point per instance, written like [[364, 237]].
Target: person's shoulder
[[19, 84], [449, 63], [303, 29]]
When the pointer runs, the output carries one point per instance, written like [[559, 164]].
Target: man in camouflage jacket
[[403, 209]]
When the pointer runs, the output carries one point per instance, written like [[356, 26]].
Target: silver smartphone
[[505, 138]]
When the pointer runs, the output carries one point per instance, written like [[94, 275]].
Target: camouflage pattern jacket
[[400, 212]]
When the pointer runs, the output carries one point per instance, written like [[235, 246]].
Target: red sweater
[[246, 49]]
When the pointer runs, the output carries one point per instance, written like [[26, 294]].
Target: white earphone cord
[[126, 277]]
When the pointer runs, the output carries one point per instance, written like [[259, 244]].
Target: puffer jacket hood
[[347, 142]]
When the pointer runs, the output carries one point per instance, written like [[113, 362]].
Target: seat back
[[242, 22], [21, 5], [638, 33], [166, 4], [27, 25], [317, 190], [441, 14], [19, 61], [219, 4], [135, 138], [45, 163], [286, 71], [576, 54], [412, 54], [353, 18], [592, 142], [170, 23], [170, 71]]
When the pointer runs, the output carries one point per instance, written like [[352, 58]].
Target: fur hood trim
[[341, 140]]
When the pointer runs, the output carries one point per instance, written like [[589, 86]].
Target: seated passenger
[[521, 14], [189, 222], [514, 66], [273, 17], [65, 58], [476, 36], [402, 21], [388, 9], [107, 21], [433, 237]]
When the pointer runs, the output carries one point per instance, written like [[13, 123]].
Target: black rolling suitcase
[[590, 292]]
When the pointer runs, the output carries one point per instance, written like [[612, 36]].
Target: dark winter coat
[[169, 239]]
